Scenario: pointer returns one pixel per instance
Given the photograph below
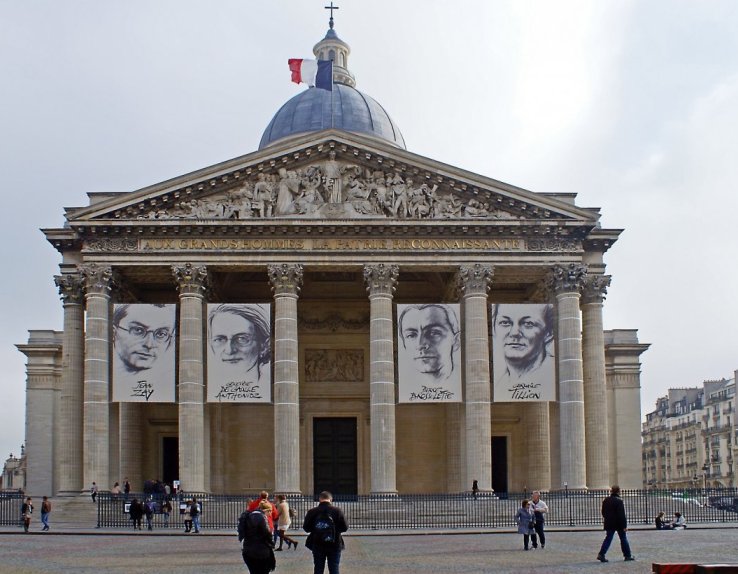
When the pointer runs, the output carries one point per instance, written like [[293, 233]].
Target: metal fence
[[10, 507], [442, 511]]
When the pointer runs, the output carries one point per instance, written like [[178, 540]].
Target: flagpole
[[332, 86]]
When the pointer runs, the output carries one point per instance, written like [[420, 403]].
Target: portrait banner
[[144, 343], [239, 353], [523, 353], [429, 353]]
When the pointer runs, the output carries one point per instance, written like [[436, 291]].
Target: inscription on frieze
[[111, 244]]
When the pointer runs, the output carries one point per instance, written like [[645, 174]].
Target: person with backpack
[[324, 525], [195, 511], [149, 509], [257, 545]]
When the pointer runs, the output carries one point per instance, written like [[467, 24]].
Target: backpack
[[324, 529]]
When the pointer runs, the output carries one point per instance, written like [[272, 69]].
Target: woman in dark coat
[[136, 513], [257, 543]]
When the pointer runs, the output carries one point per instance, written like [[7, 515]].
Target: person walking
[[135, 511], [475, 488], [195, 512], [613, 513], [45, 511], [526, 520], [149, 508], [126, 489], [187, 517], [93, 492], [284, 521], [166, 510], [26, 512], [540, 509], [324, 525], [257, 544]]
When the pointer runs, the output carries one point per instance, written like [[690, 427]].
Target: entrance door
[[169, 459], [499, 464], [334, 456]]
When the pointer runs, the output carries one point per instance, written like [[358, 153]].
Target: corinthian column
[[381, 281], [71, 290], [567, 282], [98, 281], [192, 282], [474, 283], [286, 282], [595, 392]]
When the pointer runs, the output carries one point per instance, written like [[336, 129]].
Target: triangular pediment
[[331, 175]]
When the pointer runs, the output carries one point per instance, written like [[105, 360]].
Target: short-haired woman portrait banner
[[239, 353], [523, 352]]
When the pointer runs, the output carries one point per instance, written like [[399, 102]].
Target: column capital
[[286, 278], [98, 279], [71, 288], [191, 279], [595, 288], [566, 278], [381, 279], [474, 279]]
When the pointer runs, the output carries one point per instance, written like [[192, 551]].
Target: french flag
[[318, 73]]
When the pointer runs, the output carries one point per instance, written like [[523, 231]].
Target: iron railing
[[10, 507], [443, 511]]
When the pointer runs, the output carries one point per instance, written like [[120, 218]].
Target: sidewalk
[[161, 552]]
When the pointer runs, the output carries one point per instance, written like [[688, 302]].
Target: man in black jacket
[[257, 545], [613, 512], [325, 523]]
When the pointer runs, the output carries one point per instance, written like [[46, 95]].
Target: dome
[[353, 111]]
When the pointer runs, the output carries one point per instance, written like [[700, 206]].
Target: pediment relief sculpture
[[331, 190]]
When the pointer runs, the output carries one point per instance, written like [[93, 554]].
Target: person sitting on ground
[[679, 523], [660, 524]]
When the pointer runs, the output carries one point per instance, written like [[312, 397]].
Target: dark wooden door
[[170, 459], [499, 464], [334, 456]]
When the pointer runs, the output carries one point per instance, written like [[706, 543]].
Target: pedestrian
[[257, 544], [93, 492], [526, 522], [45, 511], [262, 503], [166, 510], [475, 488], [325, 523], [540, 509], [284, 521], [613, 513], [126, 489], [195, 512], [187, 517], [115, 491], [135, 511], [149, 508], [26, 511]]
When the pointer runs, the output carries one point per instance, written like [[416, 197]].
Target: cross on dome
[[331, 8]]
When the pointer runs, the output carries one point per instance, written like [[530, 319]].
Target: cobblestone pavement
[[498, 552]]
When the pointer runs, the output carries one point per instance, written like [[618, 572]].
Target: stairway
[[68, 512]]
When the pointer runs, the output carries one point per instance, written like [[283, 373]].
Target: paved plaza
[[498, 552]]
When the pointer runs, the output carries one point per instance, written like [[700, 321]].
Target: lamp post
[[705, 471]]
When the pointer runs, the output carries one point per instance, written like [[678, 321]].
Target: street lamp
[[705, 471]]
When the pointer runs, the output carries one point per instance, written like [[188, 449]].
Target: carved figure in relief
[[358, 195], [263, 196], [399, 192], [289, 187], [475, 208], [309, 199], [333, 179]]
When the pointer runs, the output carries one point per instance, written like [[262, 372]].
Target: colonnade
[[84, 451]]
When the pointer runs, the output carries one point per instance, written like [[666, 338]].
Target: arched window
[[332, 55], [343, 59]]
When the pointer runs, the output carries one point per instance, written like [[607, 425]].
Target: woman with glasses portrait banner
[[143, 353], [239, 353]]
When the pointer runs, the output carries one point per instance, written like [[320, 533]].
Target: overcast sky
[[632, 105]]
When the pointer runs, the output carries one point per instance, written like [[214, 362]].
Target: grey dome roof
[[353, 111]]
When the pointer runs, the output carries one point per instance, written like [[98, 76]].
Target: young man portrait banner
[[429, 353], [143, 353]]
